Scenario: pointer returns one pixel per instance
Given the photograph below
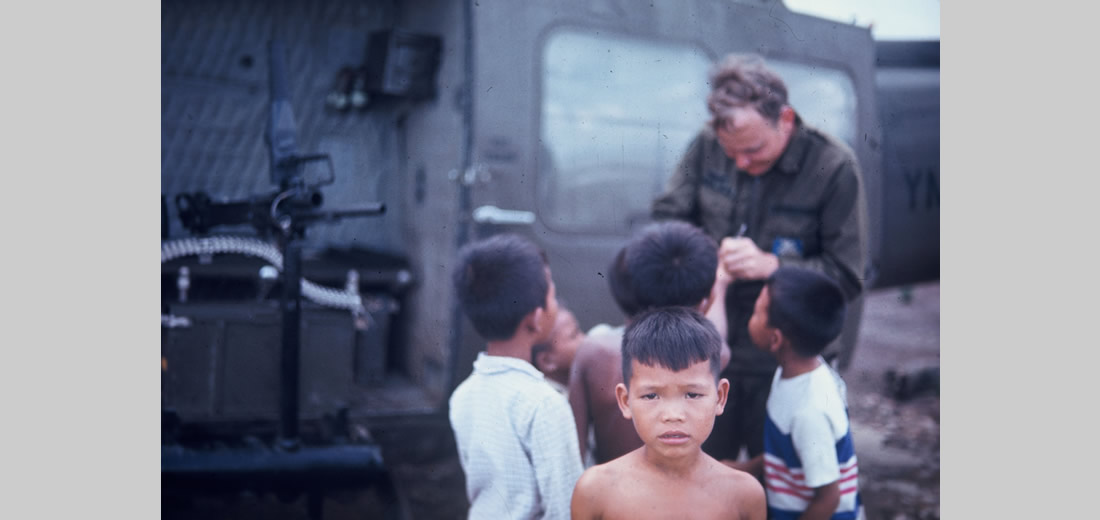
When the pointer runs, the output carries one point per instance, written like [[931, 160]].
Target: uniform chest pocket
[[716, 201], [793, 231], [718, 183]]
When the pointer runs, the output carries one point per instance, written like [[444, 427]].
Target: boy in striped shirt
[[809, 463]]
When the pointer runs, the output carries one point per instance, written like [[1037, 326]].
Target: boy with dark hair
[[809, 463], [671, 358], [668, 264], [513, 431], [671, 263]]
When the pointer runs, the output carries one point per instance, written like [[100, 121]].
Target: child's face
[[673, 412], [759, 330], [565, 339], [550, 314]]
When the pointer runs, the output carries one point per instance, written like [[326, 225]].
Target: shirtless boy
[[671, 361], [668, 263]]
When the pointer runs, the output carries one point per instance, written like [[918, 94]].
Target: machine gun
[[287, 211], [283, 216]]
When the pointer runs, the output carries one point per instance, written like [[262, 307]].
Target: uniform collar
[[488, 364], [795, 153]]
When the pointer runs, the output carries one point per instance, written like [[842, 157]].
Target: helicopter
[[440, 122]]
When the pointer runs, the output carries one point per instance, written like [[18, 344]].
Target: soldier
[[772, 191]]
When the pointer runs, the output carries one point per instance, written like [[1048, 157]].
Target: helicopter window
[[616, 115], [824, 97], [618, 112]]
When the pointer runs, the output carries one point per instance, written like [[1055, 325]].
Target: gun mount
[[283, 464]]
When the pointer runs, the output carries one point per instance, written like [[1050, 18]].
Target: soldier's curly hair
[[740, 80]]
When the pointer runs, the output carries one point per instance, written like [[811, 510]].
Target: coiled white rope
[[172, 249]]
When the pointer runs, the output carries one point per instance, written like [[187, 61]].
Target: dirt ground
[[896, 420]]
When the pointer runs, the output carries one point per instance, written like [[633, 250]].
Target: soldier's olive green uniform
[[809, 210]]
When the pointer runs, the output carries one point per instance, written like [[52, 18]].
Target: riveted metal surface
[[215, 101]]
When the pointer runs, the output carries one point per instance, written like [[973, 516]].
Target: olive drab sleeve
[[679, 201]]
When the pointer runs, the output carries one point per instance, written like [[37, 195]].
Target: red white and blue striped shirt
[[808, 444]]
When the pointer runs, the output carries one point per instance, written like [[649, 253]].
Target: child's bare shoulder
[[598, 351], [597, 489], [608, 471], [605, 343], [741, 489]]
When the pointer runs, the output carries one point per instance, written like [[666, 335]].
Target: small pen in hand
[[742, 230]]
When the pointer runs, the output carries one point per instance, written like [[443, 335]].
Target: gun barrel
[[369, 209], [282, 131], [277, 70]]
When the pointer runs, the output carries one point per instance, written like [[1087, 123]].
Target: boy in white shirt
[[515, 435]]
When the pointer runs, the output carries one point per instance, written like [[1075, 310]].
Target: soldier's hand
[[744, 261]]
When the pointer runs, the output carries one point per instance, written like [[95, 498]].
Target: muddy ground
[[896, 421]]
